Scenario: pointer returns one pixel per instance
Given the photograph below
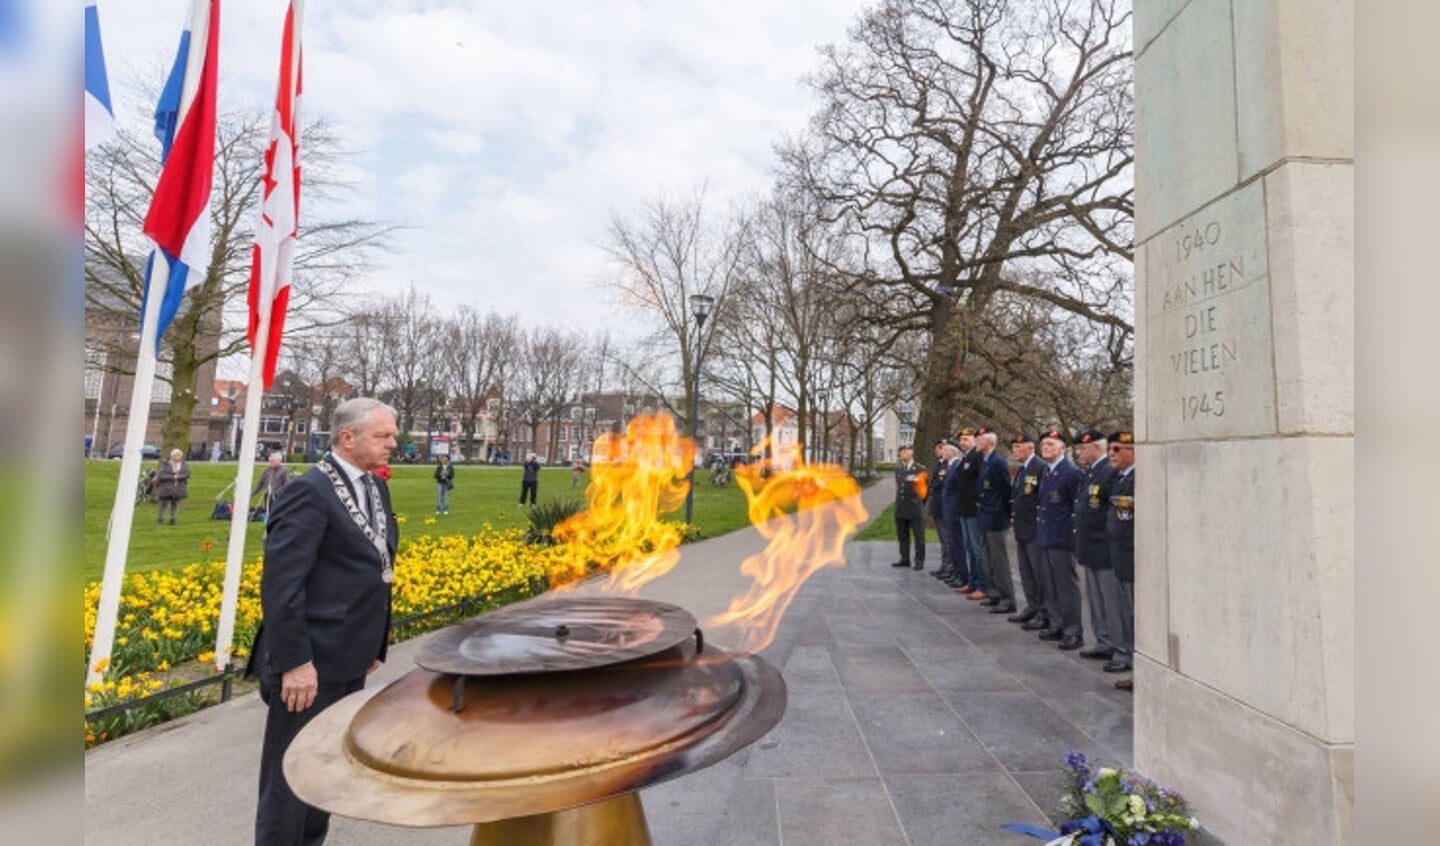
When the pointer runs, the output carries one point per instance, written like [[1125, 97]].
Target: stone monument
[[1244, 409]]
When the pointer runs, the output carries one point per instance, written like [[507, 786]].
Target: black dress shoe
[[900, 564], [1023, 617], [920, 565], [1001, 609], [1035, 625], [1051, 634], [1071, 642], [989, 602], [1098, 654], [1125, 684], [1114, 666]]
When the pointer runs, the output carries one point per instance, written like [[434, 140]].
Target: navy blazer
[[1092, 546], [1120, 526], [935, 499], [321, 591], [994, 493], [951, 492], [1026, 498], [1055, 516], [968, 503]]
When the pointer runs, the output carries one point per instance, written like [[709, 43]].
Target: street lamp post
[[700, 305], [824, 397]]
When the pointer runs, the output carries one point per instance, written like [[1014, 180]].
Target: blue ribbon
[[1092, 830]]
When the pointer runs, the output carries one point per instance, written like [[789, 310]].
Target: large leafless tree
[[977, 150]]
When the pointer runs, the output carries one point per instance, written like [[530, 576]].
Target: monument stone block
[[1209, 370], [1312, 250], [1151, 18], [1184, 117], [1275, 785], [1258, 551], [1294, 71]]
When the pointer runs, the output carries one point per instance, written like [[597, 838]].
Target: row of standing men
[[1059, 513]]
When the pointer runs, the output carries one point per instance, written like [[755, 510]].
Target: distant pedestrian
[[530, 478], [272, 481], [577, 472], [444, 483], [910, 508], [172, 484]]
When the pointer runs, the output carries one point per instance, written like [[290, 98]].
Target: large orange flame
[[806, 514], [634, 478]]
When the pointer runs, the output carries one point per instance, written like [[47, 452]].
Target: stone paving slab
[[914, 718]]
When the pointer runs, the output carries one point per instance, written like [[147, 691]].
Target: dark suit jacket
[[320, 591], [1026, 498], [951, 492], [1055, 517], [967, 494], [935, 502], [1092, 546], [994, 493], [1120, 526]]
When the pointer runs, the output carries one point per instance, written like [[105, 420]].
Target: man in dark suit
[[971, 567], [935, 507], [1055, 535], [325, 599], [910, 508], [1120, 531], [1092, 547], [995, 522], [1025, 498]]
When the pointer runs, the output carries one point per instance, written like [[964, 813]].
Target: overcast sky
[[505, 134]]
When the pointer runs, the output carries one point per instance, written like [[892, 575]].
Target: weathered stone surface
[[1275, 785], [1152, 576], [1295, 79], [1142, 282], [1184, 117], [1209, 368], [1261, 557], [1311, 221], [1152, 17]]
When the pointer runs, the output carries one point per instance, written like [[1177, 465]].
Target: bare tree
[[120, 178], [474, 349], [546, 381], [960, 141], [410, 363], [667, 252]]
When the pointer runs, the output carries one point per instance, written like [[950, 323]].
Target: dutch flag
[[179, 217]]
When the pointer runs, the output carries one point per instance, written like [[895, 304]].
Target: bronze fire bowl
[[529, 743]]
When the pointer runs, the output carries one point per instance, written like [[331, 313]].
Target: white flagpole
[[122, 514], [240, 511]]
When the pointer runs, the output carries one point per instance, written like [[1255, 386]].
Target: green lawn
[[883, 528], [482, 493]]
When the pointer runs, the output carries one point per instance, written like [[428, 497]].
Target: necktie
[[372, 492]]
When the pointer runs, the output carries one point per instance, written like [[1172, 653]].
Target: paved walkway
[[913, 718]]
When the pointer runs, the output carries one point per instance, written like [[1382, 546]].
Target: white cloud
[[505, 134]]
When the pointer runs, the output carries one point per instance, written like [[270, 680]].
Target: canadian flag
[[274, 251]]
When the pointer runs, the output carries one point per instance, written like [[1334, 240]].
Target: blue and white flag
[[99, 114]]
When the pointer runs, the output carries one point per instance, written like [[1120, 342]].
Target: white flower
[[1137, 807]]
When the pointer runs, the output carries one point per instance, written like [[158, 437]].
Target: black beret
[[1054, 435], [1121, 437], [1022, 438], [953, 442], [1089, 436], [984, 430]]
